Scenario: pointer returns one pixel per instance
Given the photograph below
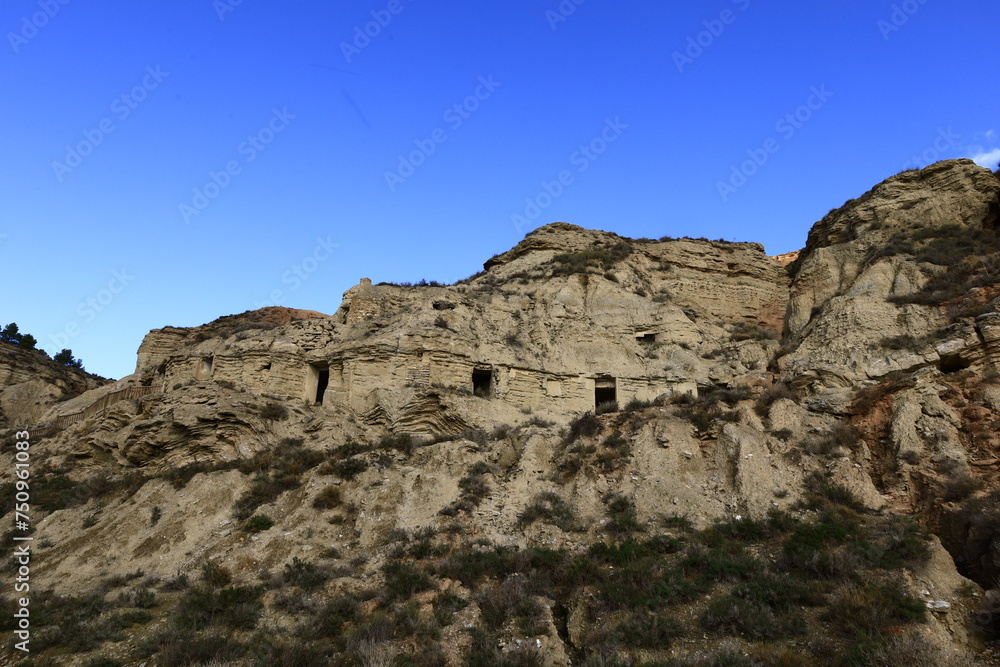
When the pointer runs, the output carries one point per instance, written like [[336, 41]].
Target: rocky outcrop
[[681, 381], [858, 265], [31, 383]]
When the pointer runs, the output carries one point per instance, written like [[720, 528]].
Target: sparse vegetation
[[327, 499], [549, 508], [621, 516], [275, 471], [273, 411], [606, 407], [964, 258], [770, 396], [839, 440], [746, 331], [305, 575], [590, 261], [258, 523], [705, 411], [584, 426]]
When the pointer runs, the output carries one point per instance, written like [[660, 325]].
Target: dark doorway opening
[[321, 383], [482, 382], [646, 338], [605, 392], [952, 364]]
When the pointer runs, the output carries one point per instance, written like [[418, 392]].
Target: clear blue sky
[[115, 113]]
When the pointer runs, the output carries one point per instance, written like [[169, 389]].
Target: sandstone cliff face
[[841, 303], [418, 423], [30, 383], [535, 331]]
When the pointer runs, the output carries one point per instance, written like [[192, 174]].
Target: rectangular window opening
[[605, 393], [646, 338], [482, 382]]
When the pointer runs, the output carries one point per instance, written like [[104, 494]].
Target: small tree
[[66, 359], [10, 334], [28, 342]]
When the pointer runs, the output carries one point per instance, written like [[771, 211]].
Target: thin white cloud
[[987, 159]]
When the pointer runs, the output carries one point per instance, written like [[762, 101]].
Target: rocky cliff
[[31, 383], [598, 450]]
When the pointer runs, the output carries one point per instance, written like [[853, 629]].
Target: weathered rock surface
[[838, 310], [30, 383], [737, 388]]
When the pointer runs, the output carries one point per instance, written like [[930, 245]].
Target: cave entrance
[[322, 382], [952, 363], [605, 391], [205, 371], [317, 380], [482, 382]]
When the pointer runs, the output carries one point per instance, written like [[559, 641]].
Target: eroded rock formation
[[729, 386]]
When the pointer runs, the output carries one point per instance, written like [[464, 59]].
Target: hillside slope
[[597, 451]]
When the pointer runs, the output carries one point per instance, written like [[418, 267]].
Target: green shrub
[[178, 583], [215, 575], [746, 530], [55, 490], [584, 426], [273, 411], [901, 342], [647, 631], [446, 606], [733, 615], [474, 487], [968, 258], [140, 598], [899, 648], [331, 619], [258, 523], [327, 499], [746, 331], [119, 580], [550, 508], [842, 436], [605, 407], [711, 565], [403, 580], [644, 583], [511, 600], [484, 651], [897, 541], [176, 647], [277, 471], [401, 442], [590, 261], [770, 396], [811, 549], [102, 661], [822, 491], [781, 592], [305, 575], [349, 468], [705, 410], [237, 608], [872, 607], [621, 515], [959, 487]]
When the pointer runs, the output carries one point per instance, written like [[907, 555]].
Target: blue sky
[[168, 162]]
